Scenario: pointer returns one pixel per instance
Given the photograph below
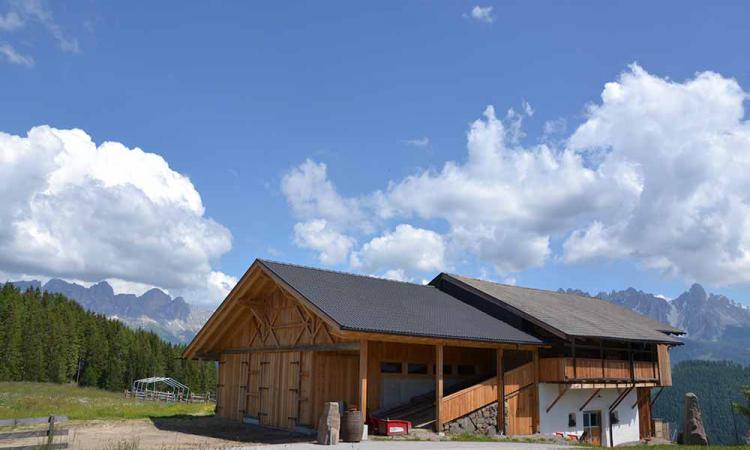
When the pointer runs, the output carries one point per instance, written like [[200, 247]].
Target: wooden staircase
[[484, 393], [420, 410]]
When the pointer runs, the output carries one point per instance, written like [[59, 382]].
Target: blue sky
[[236, 95]]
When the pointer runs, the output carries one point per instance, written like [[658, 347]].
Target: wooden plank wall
[[467, 400], [276, 387], [665, 370], [336, 376], [521, 411], [230, 380], [551, 369]]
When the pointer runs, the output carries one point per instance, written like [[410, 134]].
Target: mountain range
[[716, 327], [173, 319]]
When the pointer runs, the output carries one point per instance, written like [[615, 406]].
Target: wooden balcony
[[596, 370]]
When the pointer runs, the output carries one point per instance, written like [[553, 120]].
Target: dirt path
[[215, 433], [180, 433]]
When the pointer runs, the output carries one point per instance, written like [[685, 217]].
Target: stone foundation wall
[[481, 421]]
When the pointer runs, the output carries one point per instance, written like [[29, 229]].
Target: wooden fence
[[158, 396], [47, 434]]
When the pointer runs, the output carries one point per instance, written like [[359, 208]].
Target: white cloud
[[418, 142], [38, 11], [318, 235], [10, 21], [656, 173], [689, 146], [482, 14], [527, 108], [311, 195], [75, 210], [12, 56], [405, 248], [20, 14]]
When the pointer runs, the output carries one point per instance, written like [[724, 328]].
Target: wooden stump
[[329, 424]]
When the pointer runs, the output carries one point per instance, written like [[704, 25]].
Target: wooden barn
[[444, 355]]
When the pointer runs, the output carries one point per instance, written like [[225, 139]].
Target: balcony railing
[[594, 369]]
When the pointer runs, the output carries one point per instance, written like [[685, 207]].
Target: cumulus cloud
[[75, 210], [404, 248], [689, 146], [311, 195], [656, 173], [482, 14], [332, 246]]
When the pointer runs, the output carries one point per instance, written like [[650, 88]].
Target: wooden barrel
[[351, 425]]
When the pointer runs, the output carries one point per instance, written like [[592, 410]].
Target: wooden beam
[[500, 392], [363, 379], [557, 399], [301, 298], [406, 339], [620, 398], [604, 385], [535, 410], [589, 400], [653, 400], [438, 387], [247, 279], [297, 348]]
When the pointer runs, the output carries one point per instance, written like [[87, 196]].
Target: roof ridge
[[528, 288], [341, 272]]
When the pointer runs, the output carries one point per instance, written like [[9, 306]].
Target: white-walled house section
[[556, 420]]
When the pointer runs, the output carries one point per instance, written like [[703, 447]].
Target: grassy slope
[[18, 400]]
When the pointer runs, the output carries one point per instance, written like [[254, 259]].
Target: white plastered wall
[[556, 421]]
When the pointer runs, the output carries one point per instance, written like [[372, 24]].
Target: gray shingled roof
[[362, 303], [573, 315]]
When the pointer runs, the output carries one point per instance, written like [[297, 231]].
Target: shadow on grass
[[219, 428]]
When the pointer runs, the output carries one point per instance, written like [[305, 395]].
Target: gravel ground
[[212, 432]]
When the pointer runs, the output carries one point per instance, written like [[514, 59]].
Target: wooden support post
[[438, 387], [575, 369], [632, 362], [500, 393], [363, 379], [535, 412], [51, 431]]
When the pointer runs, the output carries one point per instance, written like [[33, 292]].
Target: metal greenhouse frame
[[147, 387]]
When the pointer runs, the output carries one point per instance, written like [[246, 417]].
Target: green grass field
[[19, 400]]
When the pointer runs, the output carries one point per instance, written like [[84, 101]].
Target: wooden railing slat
[[30, 434], [41, 446], [30, 421]]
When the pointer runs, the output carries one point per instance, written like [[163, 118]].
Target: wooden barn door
[[280, 387], [230, 390], [252, 402], [265, 394]]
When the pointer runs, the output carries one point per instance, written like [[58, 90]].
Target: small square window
[[416, 368], [390, 367], [466, 370], [572, 419]]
